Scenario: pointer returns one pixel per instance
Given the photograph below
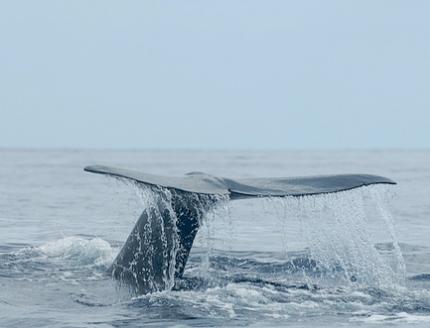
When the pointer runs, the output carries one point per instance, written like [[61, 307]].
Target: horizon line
[[209, 149]]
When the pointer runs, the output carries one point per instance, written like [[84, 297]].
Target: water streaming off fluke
[[340, 249]]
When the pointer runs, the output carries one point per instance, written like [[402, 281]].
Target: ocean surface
[[358, 259]]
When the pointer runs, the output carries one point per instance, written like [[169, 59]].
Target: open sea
[[357, 259]]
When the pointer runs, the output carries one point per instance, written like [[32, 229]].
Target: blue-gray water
[[358, 258]]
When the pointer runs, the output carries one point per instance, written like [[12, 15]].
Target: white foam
[[82, 251]]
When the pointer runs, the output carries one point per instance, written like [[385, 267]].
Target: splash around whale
[[157, 249]]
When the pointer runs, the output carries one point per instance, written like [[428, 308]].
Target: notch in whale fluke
[[157, 249]]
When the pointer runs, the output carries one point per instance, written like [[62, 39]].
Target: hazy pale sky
[[215, 74]]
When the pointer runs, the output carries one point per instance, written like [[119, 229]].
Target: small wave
[[398, 317], [264, 301], [95, 251], [421, 277], [234, 301]]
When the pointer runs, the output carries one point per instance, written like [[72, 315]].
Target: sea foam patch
[[81, 251]]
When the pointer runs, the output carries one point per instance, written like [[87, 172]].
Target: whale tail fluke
[[158, 247]]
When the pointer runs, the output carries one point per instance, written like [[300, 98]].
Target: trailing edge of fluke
[[201, 183]]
